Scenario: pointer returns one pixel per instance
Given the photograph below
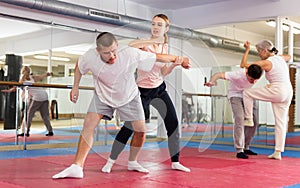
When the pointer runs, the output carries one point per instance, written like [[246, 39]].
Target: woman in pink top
[[153, 91]]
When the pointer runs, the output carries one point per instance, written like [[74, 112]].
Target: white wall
[[65, 106]]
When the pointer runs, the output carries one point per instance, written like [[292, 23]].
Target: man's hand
[[186, 63], [210, 84], [74, 95]]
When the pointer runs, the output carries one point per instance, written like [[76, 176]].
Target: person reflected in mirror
[[37, 100], [187, 109]]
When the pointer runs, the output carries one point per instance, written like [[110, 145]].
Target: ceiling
[[7, 28], [13, 28], [175, 4], [191, 6]]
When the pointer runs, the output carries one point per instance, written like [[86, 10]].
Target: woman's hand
[[178, 61], [247, 45]]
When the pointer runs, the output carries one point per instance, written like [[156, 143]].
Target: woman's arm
[[165, 58], [265, 64], [286, 57], [13, 89], [41, 76], [165, 70], [141, 43], [245, 57]]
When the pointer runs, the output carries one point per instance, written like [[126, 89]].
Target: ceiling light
[[285, 27], [52, 58], [75, 52], [33, 52], [75, 49], [271, 23], [296, 31]]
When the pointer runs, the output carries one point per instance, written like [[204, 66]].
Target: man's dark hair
[[105, 39], [255, 71]]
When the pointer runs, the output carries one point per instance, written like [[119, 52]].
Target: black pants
[[159, 99]]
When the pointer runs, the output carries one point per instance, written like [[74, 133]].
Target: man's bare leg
[[84, 145]]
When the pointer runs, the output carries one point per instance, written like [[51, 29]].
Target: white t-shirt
[[36, 93], [238, 83], [115, 83]]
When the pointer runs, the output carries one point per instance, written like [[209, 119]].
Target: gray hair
[[266, 44]]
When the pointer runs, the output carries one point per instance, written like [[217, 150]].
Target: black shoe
[[50, 134], [249, 152], [22, 134], [241, 155]]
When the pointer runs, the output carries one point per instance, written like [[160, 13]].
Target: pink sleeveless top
[[153, 78]]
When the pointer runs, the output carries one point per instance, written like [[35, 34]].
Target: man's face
[[108, 54], [250, 79]]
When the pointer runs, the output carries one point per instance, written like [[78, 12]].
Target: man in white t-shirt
[[239, 81], [115, 89]]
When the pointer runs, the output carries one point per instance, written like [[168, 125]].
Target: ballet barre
[[24, 86]]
